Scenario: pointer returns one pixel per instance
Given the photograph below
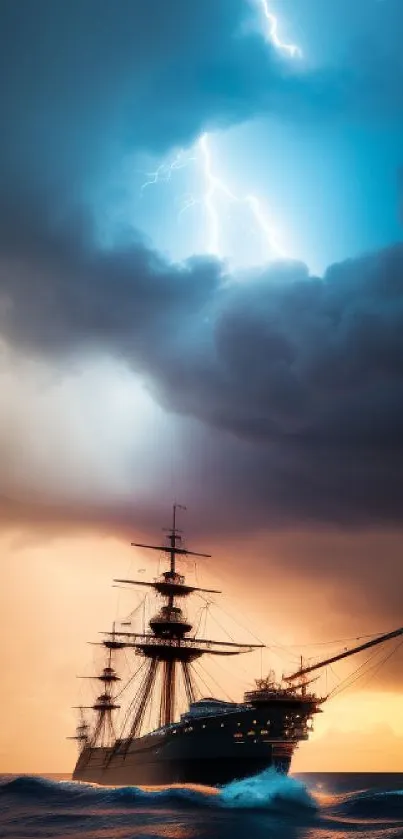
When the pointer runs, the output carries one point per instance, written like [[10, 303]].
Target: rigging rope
[[337, 641], [286, 651], [200, 616], [356, 675], [132, 677], [352, 677], [216, 683], [395, 649], [198, 677], [221, 626]]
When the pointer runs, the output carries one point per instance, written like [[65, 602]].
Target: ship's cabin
[[268, 689], [209, 706]]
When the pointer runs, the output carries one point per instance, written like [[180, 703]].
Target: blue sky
[[332, 193], [327, 178]]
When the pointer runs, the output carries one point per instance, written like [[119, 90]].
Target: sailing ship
[[214, 741]]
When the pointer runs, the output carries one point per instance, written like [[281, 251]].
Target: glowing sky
[[201, 298], [355, 162]]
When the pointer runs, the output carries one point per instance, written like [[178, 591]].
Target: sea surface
[[268, 806]]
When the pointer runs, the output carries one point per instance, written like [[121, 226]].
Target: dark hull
[[211, 772], [210, 751]]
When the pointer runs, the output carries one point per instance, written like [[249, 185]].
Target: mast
[[380, 639], [82, 731], [173, 536], [168, 645], [104, 730]]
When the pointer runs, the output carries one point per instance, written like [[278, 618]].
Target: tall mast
[[82, 730], [168, 642], [380, 639], [104, 730], [174, 536]]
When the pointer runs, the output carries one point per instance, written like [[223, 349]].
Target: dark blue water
[[265, 807]]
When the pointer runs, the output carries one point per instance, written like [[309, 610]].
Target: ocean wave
[[371, 804], [80, 792], [268, 791]]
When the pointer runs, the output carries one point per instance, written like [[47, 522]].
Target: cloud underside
[[290, 386], [88, 82], [302, 376]]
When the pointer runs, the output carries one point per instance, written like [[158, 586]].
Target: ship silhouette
[[214, 741]]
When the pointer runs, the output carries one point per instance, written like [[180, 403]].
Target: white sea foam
[[269, 790]]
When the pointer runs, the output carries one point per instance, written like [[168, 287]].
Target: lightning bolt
[[215, 188], [163, 173], [215, 191], [188, 201], [291, 49], [265, 225]]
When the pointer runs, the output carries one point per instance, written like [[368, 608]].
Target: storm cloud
[[301, 375], [307, 372], [88, 81]]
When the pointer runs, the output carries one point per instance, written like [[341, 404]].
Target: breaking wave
[[268, 791]]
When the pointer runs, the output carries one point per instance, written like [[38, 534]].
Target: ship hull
[[208, 772], [211, 752]]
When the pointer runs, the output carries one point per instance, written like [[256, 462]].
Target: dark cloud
[[306, 372], [86, 81], [303, 376]]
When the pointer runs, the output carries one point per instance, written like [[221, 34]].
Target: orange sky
[[56, 595]]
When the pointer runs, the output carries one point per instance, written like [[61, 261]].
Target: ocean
[[268, 806]]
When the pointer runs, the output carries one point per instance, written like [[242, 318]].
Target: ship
[[213, 741]]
